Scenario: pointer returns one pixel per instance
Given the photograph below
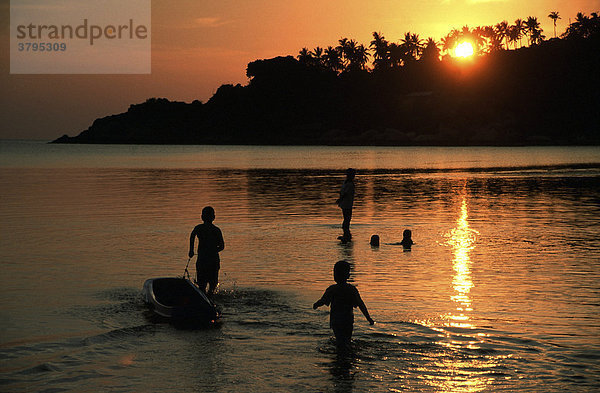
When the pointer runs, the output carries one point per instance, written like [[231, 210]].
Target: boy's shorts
[[207, 274], [343, 333], [342, 327]]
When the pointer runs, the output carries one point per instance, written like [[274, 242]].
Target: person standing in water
[[346, 202], [210, 243], [342, 298]]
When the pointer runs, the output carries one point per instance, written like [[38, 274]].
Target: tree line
[[393, 93], [350, 56]]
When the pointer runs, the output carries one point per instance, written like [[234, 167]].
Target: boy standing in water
[[342, 297], [210, 243], [346, 202]]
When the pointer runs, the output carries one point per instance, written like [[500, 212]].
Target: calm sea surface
[[501, 291]]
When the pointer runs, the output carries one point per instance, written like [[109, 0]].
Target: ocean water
[[501, 291]]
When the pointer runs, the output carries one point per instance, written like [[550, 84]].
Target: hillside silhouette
[[545, 94]]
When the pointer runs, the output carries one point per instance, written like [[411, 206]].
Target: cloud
[[486, 1], [191, 23], [207, 22], [210, 22], [475, 1]]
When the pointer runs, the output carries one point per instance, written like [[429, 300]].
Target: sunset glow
[[196, 47], [464, 49]]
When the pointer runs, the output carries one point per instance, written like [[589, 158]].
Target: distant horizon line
[[46, 141]]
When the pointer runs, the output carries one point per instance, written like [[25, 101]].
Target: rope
[[186, 272]]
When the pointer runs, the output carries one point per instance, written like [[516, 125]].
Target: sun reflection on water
[[462, 240], [460, 374]]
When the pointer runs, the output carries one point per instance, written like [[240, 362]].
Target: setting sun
[[464, 49]]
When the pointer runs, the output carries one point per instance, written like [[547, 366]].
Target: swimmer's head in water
[[374, 240]]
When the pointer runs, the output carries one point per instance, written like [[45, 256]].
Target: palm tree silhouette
[[381, 51], [513, 35], [361, 57], [446, 43], [537, 37], [533, 29], [396, 54], [581, 23], [554, 16], [584, 26], [431, 51], [354, 56], [495, 41], [486, 37], [351, 56], [344, 48], [450, 41], [502, 31], [317, 56], [305, 56], [412, 46], [481, 36], [332, 59], [475, 37], [519, 28]]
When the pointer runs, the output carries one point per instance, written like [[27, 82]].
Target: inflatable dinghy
[[180, 300]]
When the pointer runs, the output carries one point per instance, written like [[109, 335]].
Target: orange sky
[[198, 45]]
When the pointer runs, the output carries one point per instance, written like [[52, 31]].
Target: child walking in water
[[342, 297], [210, 243]]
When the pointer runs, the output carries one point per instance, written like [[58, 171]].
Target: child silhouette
[[407, 241], [342, 297], [210, 244]]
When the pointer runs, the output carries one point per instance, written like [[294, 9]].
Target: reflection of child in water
[[342, 297]]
